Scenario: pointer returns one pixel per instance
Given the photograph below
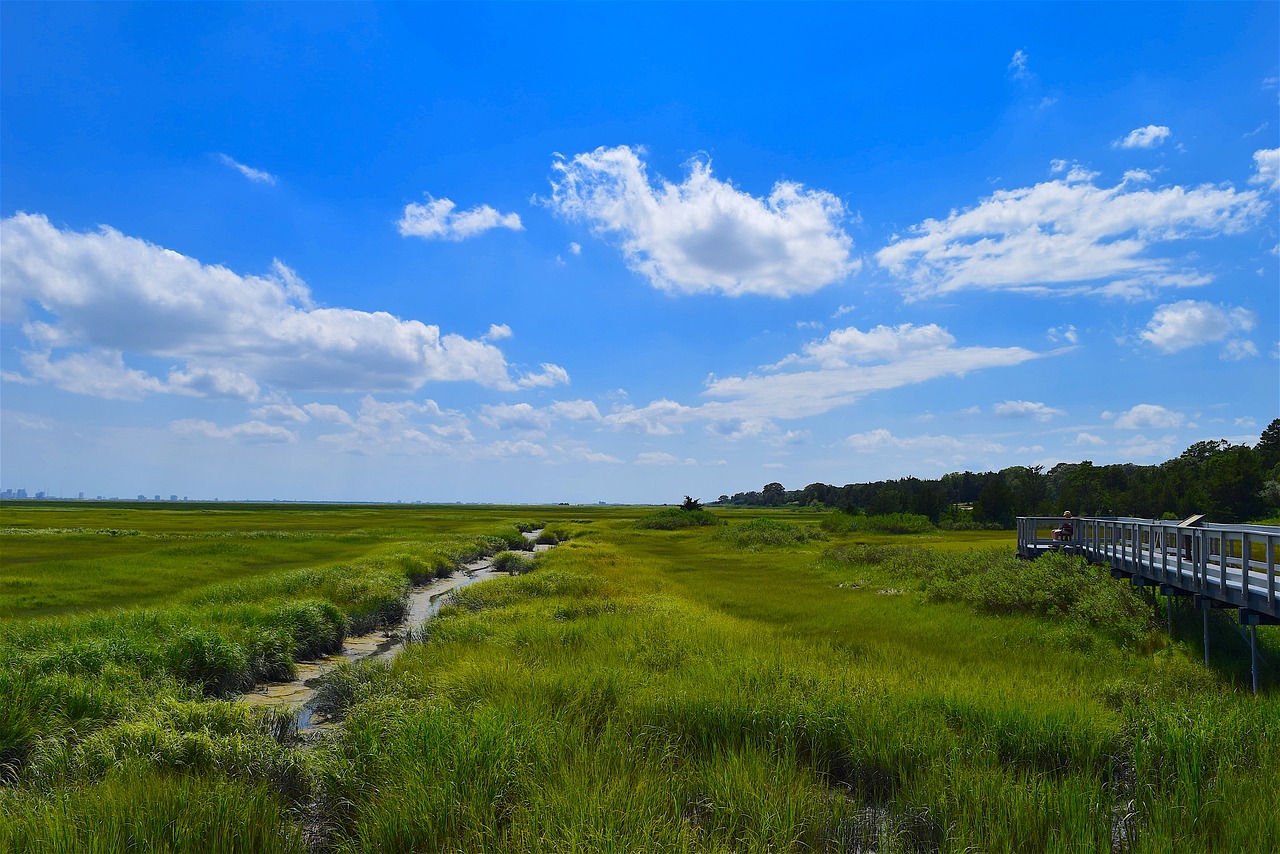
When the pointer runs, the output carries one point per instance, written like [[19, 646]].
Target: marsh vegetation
[[762, 684]]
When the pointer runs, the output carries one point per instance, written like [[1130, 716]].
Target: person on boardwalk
[[1063, 533]]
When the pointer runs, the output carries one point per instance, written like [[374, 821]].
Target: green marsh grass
[[668, 690]]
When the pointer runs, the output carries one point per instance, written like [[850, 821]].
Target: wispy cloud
[[258, 176], [936, 450], [254, 432], [1068, 236], [1026, 409], [848, 364], [1018, 65], [704, 235], [662, 458]]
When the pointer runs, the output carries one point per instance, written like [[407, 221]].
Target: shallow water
[[383, 644]]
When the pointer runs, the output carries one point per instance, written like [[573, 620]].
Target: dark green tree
[[1269, 445], [995, 502]]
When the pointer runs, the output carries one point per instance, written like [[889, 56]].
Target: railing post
[[1271, 569], [1246, 555]]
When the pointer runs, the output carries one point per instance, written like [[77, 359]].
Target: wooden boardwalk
[[1220, 566]]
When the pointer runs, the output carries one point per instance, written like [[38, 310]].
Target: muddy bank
[[423, 603]]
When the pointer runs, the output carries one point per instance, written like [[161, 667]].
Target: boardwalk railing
[[1220, 566], [1229, 565]]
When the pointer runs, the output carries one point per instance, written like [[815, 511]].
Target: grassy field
[[756, 685]]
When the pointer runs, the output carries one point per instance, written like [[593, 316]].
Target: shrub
[[839, 523]]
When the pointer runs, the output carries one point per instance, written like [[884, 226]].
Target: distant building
[[142, 497], [173, 498]]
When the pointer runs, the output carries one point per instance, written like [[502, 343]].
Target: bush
[[839, 523], [767, 532], [673, 518]]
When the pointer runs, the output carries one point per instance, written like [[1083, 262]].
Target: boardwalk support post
[[1204, 609], [1253, 653]]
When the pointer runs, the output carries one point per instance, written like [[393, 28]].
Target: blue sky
[[628, 252]]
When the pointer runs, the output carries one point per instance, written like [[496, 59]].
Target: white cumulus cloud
[[1266, 168], [1147, 415], [519, 416], [1068, 235], [437, 220], [550, 375], [1145, 137], [704, 235], [575, 410], [103, 295], [1188, 323]]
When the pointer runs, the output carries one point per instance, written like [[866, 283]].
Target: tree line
[[1224, 481]]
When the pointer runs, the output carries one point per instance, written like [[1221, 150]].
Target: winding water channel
[[382, 644]]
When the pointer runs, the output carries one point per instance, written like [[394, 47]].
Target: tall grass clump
[[511, 539], [765, 532], [514, 563], [137, 808], [554, 533], [674, 518]]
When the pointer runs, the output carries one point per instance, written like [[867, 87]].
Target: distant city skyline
[[541, 253]]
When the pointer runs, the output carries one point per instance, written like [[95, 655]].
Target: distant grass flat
[[60, 558]]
